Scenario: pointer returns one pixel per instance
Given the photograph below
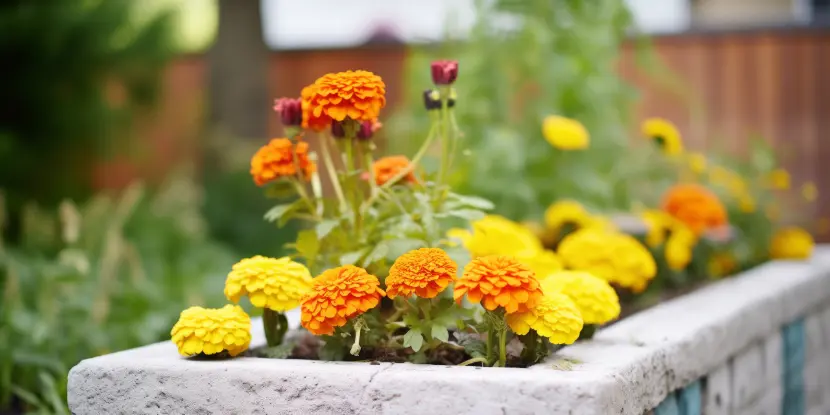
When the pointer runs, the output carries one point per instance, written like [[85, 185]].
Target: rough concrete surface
[[628, 369]]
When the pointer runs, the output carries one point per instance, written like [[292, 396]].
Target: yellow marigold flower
[[664, 134], [809, 191], [338, 295], [746, 203], [779, 179], [212, 330], [280, 158], [497, 235], [594, 297], [276, 284], [679, 247], [696, 206], [358, 95], [721, 264], [616, 257], [791, 243], [659, 225], [565, 133], [499, 281], [566, 212], [697, 163], [543, 263], [556, 317], [425, 272]]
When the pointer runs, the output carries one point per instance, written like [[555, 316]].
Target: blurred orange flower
[[696, 206], [316, 123], [499, 281], [388, 167], [280, 158], [424, 272], [337, 296], [358, 95]]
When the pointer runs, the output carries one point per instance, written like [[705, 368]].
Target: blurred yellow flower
[[679, 248], [809, 191], [211, 331], [791, 243], [664, 134], [544, 263], [722, 264], [659, 225], [697, 163], [779, 179], [565, 133], [276, 284], [616, 257], [594, 297], [563, 213], [746, 203], [555, 317]]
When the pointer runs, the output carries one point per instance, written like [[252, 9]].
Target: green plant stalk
[[275, 325], [445, 143], [491, 339], [352, 188], [332, 171], [503, 346], [367, 161], [301, 191], [530, 342], [588, 332]]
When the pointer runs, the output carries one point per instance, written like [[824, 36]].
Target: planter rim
[[628, 368]]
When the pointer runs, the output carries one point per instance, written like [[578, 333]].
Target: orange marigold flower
[[499, 281], [316, 123], [338, 295], [388, 167], [358, 95], [696, 206], [424, 272], [276, 160]]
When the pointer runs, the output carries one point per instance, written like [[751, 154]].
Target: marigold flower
[[594, 297], [388, 167], [697, 163], [659, 225], [499, 281], [357, 95], [290, 111], [809, 191], [338, 295], [616, 257], [791, 243], [425, 272], [280, 158], [664, 134], [276, 284], [696, 206], [497, 235], [779, 179], [565, 133], [315, 122], [212, 330], [444, 72], [566, 212], [543, 263], [556, 317], [679, 248]]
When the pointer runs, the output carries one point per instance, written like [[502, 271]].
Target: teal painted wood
[[690, 399], [668, 406], [793, 368]]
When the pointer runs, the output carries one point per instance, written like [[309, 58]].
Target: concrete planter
[[758, 343]]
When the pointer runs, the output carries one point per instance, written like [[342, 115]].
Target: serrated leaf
[[352, 257], [325, 227], [440, 332], [377, 253], [469, 214], [308, 245], [414, 339], [279, 352]]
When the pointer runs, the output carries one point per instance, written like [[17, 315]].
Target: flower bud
[[432, 99], [366, 130], [290, 111], [444, 72], [337, 129]]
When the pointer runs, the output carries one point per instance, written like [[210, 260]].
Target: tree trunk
[[238, 71]]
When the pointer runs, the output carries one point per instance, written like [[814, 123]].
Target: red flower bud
[[367, 130], [337, 129], [290, 111], [444, 72]]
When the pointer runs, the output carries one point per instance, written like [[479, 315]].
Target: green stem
[[503, 346], [353, 188], [445, 142], [304, 195], [332, 171], [491, 338], [587, 332], [473, 360], [531, 344], [275, 325]]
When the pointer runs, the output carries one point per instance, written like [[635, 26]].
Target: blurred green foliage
[[111, 274], [525, 60], [74, 74]]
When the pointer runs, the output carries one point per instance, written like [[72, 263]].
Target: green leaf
[[308, 245], [325, 227], [377, 253], [472, 344], [440, 332], [352, 258], [472, 201], [281, 214], [414, 339], [279, 352], [469, 214]]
